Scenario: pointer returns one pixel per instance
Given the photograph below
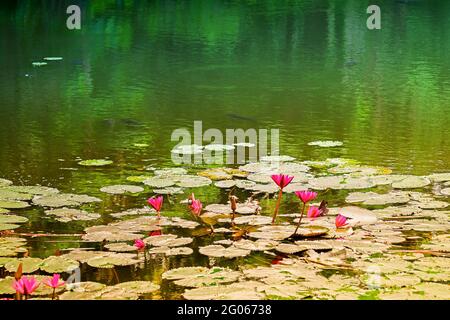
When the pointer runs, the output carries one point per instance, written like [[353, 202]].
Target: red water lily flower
[[155, 233], [26, 285], [139, 244], [313, 212], [54, 282], [156, 203], [341, 221], [305, 195], [196, 207], [281, 180]]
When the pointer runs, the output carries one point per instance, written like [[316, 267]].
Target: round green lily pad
[[121, 189], [29, 265], [58, 264], [5, 218], [5, 204], [138, 287]]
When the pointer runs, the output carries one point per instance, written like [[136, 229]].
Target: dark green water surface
[[137, 70]]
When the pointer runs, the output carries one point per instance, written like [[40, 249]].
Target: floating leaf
[[411, 182], [63, 199], [121, 189], [4, 218], [95, 163], [5, 182], [235, 291], [67, 215], [29, 265], [372, 198], [58, 264], [5, 204], [220, 251], [159, 182], [138, 287]]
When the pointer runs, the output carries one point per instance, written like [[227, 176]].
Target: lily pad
[[121, 189], [190, 181], [87, 286], [120, 247], [235, 291], [34, 190], [11, 246], [168, 240], [138, 287], [63, 199], [6, 286], [58, 264], [220, 251], [225, 184], [9, 218], [167, 172], [411, 182], [208, 278], [289, 248], [373, 198], [258, 245], [112, 260], [5, 204], [67, 215], [139, 179], [312, 231], [159, 182], [184, 272], [5, 182], [253, 220], [9, 195], [437, 177], [273, 232], [29, 265], [277, 158], [8, 226], [95, 163], [168, 190]]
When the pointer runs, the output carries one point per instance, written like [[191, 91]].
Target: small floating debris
[[95, 163], [326, 143], [39, 64], [53, 58], [188, 149], [219, 147]]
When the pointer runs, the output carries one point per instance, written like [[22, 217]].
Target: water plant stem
[[300, 219], [277, 206]]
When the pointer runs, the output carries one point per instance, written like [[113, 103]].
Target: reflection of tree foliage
[[167, 63]]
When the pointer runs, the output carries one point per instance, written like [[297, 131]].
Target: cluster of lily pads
[[389, 241]]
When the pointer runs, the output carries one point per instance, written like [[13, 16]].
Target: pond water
[[138, 70]]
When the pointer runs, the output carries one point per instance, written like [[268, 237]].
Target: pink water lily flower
[[313, 212], [281, 180], [156, 203], [305, 195], [139, 244], [341, 221], [25, 285], [54, 282], [196, 207]]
